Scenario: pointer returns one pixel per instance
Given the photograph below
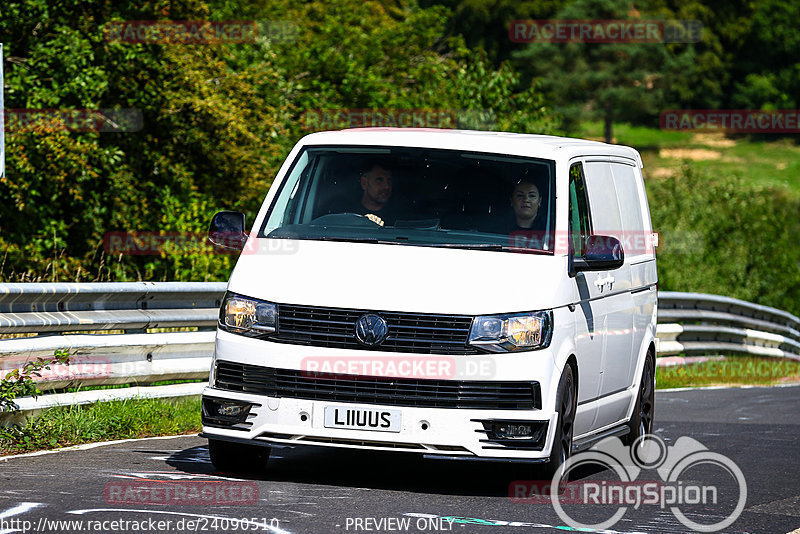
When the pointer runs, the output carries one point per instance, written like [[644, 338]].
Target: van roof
[[532, 145]]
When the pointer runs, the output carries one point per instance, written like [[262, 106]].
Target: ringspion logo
[[689, 476]]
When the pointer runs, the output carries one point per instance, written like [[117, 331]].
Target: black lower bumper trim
[[244, 441], [482, 459]]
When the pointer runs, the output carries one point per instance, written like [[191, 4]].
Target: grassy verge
[[762, 162], [72, 425], [732, 371]]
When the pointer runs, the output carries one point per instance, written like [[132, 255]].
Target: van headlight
[[512, 332], [248, 316]]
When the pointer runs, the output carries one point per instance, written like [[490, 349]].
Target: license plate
[[362, 419]]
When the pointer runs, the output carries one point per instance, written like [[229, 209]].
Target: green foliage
[[768, 71], [484, 23], [721, 235], [20, 382], [355, 54], [747, 57], [614, 81], [72, 425], [217, 119]]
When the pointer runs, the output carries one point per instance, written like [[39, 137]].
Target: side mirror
[[603, 253], [227, 230]]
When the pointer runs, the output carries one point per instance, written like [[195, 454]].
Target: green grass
[[733, 370], [640, 137], [72, 425], [126, 386], [774, 163]]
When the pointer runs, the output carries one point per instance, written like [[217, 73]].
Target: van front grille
[[295, 384], [408, 332]]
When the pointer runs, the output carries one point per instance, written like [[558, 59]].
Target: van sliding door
[[589, 314], [614, 299]]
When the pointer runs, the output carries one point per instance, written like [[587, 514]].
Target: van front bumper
[[444, 432], [284, 408]]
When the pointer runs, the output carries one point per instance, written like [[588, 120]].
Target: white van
[[459, 294]]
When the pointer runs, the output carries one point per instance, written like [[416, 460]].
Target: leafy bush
[[20, 382], [720, 235]]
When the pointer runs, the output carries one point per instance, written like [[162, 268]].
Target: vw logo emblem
[[371, 329]]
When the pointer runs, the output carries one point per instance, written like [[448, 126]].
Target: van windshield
[[418, 197]]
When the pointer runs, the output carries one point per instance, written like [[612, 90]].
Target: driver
[[375, 202], [377, 185]]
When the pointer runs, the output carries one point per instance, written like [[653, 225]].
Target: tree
[[484, 23], [767, 71], [610, 81]]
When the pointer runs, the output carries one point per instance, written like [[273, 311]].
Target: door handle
[[600, 282]]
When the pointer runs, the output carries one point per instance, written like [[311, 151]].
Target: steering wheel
[[347, 219]]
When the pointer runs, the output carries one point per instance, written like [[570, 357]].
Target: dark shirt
[[533, 237], [388, 213]]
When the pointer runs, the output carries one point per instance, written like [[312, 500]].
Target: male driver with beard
[[376, 184]]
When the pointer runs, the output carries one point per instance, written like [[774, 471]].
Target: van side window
[[579, 226], [603, 199], [627, 184]]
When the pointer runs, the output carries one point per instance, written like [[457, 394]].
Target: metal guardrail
[[696, 323], [57, 311], [689, 323], [40, 308]]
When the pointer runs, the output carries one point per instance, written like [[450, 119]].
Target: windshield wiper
[[493, 246], [357, 240], [482, 246]]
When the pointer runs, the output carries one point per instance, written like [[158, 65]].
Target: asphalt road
[[329, 491]]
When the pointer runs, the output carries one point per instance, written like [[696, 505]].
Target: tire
[[232, 457], [641, 422], [567, 400]]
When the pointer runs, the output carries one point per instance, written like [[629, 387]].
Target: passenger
[[528, 226]]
